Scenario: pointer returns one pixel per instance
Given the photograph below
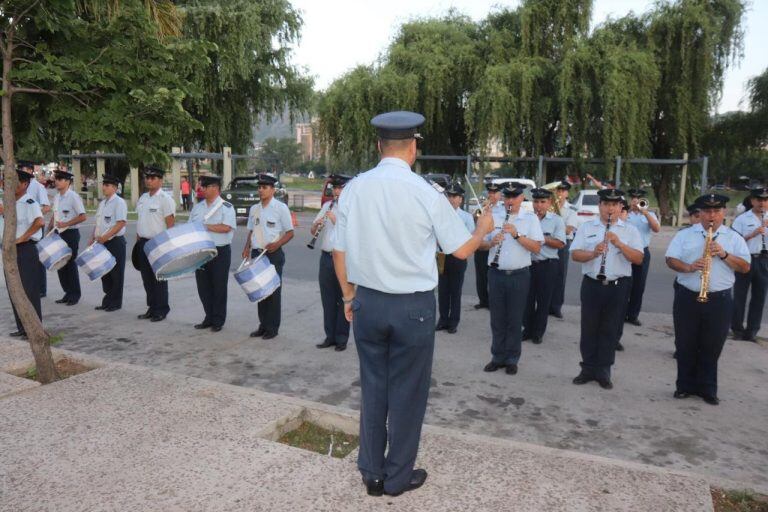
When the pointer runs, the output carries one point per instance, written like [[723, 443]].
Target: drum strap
[[216, 205]]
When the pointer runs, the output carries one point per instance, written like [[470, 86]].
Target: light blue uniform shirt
[[225, 214], [152, 211], [389, 223], [467, 219], [327, 236], [641, 224], [27, 210], [110, 212], [268, 223], [745, 224], [38, 192], [513, 255], [66, 207], [688, 246], [553, 226], [592, 233]]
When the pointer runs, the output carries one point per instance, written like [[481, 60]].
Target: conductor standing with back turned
[[389, 223]]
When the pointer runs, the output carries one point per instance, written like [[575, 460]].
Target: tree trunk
[[39, 340], [662, 189]]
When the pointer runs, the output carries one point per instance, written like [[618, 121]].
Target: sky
[[340, 34]]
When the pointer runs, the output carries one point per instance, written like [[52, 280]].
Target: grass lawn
[[738, 501], [315, 185]]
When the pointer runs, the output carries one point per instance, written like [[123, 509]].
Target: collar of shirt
[[395, 162]]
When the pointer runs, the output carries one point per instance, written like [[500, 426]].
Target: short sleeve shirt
[[268, 223], [744, 225], [467, 219], [111, 211], [327, 235], [38, 192], [616, 265], [224, 214], [27, 210], [513, 255], [553, 226], [641, 223], [67, 206], [152, 211]]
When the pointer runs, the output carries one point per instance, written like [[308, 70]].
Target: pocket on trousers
[[421, 326], [422, 316]]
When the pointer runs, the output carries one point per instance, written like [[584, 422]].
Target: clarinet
[[311, 243], [495, 262], [601, 274], [764, 249]]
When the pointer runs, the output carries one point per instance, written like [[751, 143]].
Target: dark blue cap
[[210, 180], [108, 179], [454, 189], [759, 193], [711, 201], [339, 180], [266, 179], [636, 192], [154, 170], [23, 176], [513, 189], [693, 208], [541, 193], [564, 185], [492, 187], [63, 175], [399, 125], [610, 194]]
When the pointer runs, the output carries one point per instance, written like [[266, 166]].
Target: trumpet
[[704, 290], [643, 204], [601, 276], [495, 262], [311, 243]]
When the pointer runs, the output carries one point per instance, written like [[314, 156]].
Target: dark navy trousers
[[157, 291], [700, 332], [481, 276], [544, 276], [603, 309], [212, 279], [29, 272], [395, 338], [68, 276], [558, 294], [449, 286], [112, 281], [639, 275], [334, 323], [757, 278], [269, 308], [507, 295]]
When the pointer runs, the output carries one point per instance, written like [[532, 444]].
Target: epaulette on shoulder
[[228, 205], [686, 227], [30, 201]]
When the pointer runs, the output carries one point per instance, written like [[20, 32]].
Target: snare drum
[[53, 252], [180, 250], [96, 261], [258, 279]]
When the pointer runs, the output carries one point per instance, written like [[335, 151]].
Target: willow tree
[[249, 73]]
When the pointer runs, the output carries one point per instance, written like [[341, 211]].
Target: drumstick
[[257, 258]]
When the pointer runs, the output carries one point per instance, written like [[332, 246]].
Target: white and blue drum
[[258, 279], [53, 252], [180, 250], [96, 261]]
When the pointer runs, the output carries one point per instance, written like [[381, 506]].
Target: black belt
[[538, 262], [511, 272], [713, 295], [144, 239], [328, 252], [759, 255], [28, 242], [613, 282]]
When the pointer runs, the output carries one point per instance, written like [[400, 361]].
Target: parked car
[[243, 193], [586, 206]]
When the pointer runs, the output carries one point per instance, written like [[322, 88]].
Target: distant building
[[310, 145]]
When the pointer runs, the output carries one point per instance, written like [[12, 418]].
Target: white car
[[586, 206]]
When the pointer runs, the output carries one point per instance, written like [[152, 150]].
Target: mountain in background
[[278, 128]]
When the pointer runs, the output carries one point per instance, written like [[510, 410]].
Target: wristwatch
[[517, 235]]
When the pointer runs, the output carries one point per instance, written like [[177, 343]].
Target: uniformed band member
[[517, 235], [111, 219], [451, 281], [156, 211], [751, 225], [29, 231], [568, 214], [493, 191], [701, 327], [218, 217], [38, 192], [623, 216], [646, 223], [604, 296], [694, 213], [269, 229], [335, 325], [389, 222], [68, 212], [544, 267]]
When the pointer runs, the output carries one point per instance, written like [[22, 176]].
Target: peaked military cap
[[636, 192], [759, 193], [493, 187], [210, 180], [609, 183], [63, 175], [564, 185], [339, 180], [712, 201], [624, 205], [266, 179], [23, 176], [454, 189], [108, 179], [610, 194], [541, 193], [513, 189], [693, 208], [399, 125], [154, 170]]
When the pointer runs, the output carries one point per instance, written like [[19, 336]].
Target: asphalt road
[[301, 263]]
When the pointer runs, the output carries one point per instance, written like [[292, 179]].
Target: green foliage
[[280, 155]]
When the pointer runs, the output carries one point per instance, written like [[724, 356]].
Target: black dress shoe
[[738, 334], [258, 333], [99, 308], [17, 334], [536, 340], [216, 328], [418, 477], [749, 337], [440, 327], [144, 316], [605, 383], [681, 394], [710, 399], [511, 369], [325, 344], [111, 308], [62, 300], [582, 379], [71, 302], [269, 335], [451, 330], [525, 337], [43, 295], [556, 314], [203, 325], [633, 321], [492, 367], [619, 347], [157, 318], [340, 348], [481, 306], [374, 487]]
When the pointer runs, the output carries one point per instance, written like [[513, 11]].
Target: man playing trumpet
[[646, 223]]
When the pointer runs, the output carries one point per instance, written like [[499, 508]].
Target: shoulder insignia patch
[[30, 201], [228, 205]]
